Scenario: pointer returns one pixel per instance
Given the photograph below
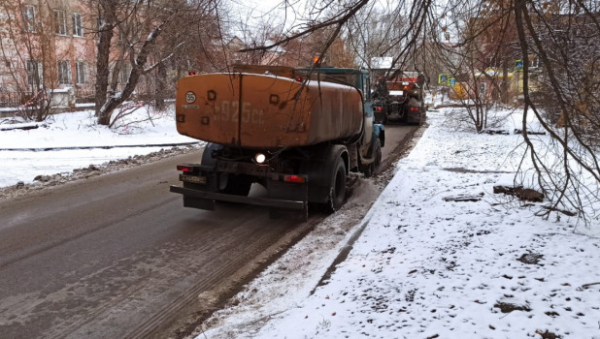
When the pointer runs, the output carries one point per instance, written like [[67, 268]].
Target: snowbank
[[66, 130]]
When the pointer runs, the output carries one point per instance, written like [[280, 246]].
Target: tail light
[[378, 108], [413, 109], [297, 179], [185, 168]]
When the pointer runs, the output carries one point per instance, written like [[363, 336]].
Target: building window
[[34, 73], [4, 75], [534, 61], [29, 18], [125, 71], [77, 25], [80, 72], [60, 22], [64, 72], [482, 89]]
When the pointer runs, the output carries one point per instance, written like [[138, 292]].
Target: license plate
[[192, 178]]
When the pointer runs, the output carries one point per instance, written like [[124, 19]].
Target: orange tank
[[266, 111]]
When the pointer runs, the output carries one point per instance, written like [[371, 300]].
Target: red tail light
[[378, 108], [299, 79], [414, 109], [185, 169], [294, 179]]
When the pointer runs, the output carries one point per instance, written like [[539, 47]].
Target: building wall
[[45, 32]]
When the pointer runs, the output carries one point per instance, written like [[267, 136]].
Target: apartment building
[[47, 44]]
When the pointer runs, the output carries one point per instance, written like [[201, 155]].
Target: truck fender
[[207, 158], [319, 169], [379, 132]]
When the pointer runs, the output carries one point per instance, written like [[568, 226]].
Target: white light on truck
[[260, 158]]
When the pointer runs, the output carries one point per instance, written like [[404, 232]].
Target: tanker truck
[[297, 132]]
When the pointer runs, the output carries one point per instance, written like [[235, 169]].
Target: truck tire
[[337, 190], [228, 183], [373, 167]]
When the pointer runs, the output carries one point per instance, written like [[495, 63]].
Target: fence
[[14, 99], [86, 96]]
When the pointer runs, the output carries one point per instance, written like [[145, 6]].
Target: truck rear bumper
[[206, 199]]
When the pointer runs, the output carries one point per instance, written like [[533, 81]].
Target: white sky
[[252, 13]]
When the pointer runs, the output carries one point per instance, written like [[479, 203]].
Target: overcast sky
[[252, 12]]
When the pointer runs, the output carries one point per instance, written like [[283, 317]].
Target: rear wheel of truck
[[337, 190], [234, 184]]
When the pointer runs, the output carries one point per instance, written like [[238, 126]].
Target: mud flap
[[288, 191]]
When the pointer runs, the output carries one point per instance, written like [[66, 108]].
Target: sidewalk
[[427, 266]]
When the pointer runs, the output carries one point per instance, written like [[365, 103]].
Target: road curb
[[360, 228]]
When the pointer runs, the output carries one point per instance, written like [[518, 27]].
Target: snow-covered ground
[[427, 266], [25, 155]]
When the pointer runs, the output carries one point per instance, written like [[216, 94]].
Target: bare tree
[[139, 26], [560, 36], [557, 42], [374, 32]]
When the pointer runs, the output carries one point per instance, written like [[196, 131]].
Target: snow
[[61, 90], [65, 131], [426, 266]]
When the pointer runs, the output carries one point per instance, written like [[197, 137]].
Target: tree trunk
[[161, 87], [116, 72], [137, 70], [504, 83], [102, 68]]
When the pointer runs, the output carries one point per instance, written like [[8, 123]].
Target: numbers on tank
[[228, 111]]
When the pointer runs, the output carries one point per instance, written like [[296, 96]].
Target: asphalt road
[[117, 256]]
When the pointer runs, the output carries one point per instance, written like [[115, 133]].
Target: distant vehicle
[[297, 132], [400, 99]]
